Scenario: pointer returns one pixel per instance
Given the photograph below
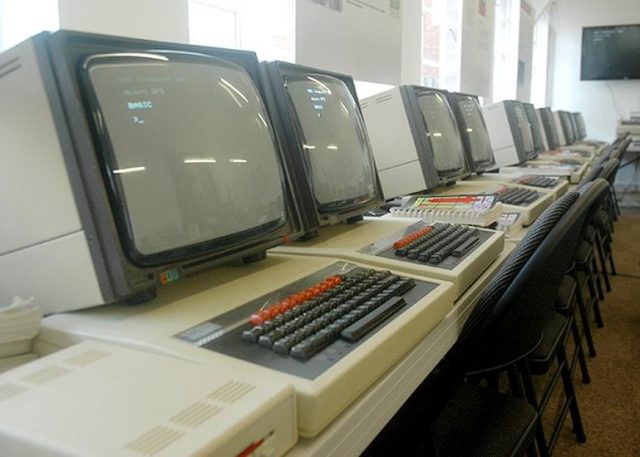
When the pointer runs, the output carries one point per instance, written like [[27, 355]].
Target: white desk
[[352, 431]]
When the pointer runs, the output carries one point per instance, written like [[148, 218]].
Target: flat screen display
[[610, 52], [476, 132], [188, 151], [442, 132], [337, 154]]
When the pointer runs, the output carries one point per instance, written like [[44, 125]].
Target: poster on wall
[[525, 50], [362, 38], [477, 47]]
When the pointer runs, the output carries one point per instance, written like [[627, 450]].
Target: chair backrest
[[510, 313], [620, 149]]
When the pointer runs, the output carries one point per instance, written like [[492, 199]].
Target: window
[[505, 50], [441, 43], [267, 28], [540, 55]]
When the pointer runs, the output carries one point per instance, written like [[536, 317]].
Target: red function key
[[411, 237], [294, 300]]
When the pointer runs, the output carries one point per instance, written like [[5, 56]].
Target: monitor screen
[[523, 131], [473, 131], [610, 52], [536, 128], [185, 139], [337, 155], [442, 134]]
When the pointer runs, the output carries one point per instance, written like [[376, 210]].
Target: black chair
[[503, 331], [531, 325]]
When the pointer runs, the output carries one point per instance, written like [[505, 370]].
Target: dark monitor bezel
[[549, 125], [580, 125], [536, 128], [411, 94], [290, 137], [475, 167], [567, 127], [120, 275], [518, 140]]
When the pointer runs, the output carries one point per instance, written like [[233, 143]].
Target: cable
[[616, 107]]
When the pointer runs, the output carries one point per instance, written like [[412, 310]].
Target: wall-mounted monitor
[[324, 142], [473, 131], [610, 52], [415, 139], [136, 163]]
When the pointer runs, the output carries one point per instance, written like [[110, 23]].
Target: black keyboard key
[[466, 247], [371, 320]]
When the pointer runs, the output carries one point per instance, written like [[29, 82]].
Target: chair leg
[[602, 261], [531, 397], [586, 326], [594, 299], [594, 274], [582, 362], [571, 397]]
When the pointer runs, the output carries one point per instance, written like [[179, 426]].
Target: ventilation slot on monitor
[[384, 98], [196, 414], [231, 392], [46, 375], [155, 440], [86, 358], [9, 66], [10, 390]]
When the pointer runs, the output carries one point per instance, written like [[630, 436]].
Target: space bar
[[363, 326]]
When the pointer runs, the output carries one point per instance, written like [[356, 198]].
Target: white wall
[[165, 20], [601, 102]]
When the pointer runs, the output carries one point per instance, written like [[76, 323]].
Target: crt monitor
[[580, 125], [440, 133], [325, 143], [550, 127], [567, 126], [536, 128], [509, 131], [473, 131], [136, 163]]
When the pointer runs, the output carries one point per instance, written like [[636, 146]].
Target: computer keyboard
[[435, 243], [343, 307], [372, 241], [538, 181], [518, 196], [573, 172]]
